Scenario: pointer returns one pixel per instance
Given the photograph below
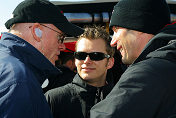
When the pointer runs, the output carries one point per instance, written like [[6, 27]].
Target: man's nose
[[114, 41], [62, 47], [87, 60]]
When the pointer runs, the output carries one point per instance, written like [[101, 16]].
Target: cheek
[[101, 65], [78, 63], [126, 43], [51, 49], [52, 40], [53, 45], [129, 41]]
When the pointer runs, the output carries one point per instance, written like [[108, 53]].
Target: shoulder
[[12, 64], [12, 71], [150, 72], [60, 92]]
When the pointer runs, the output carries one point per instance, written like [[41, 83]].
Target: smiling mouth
[[88, 69]]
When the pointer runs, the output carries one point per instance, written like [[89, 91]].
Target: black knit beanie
[[148, 16]]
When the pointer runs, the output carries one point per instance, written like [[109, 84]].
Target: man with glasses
[[27, 56], [93, 58]]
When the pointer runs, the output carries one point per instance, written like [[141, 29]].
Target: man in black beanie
[[27, 56], [148, 46]]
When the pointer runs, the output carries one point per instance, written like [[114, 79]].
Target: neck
[[97, 83], [17, 33]]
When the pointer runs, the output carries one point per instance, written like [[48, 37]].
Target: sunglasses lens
[[80, 55], [96, 56]]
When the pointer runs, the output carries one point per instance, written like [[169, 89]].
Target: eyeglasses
[[94, 56], [61, 37]]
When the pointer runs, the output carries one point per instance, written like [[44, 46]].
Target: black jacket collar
[[164, 43]]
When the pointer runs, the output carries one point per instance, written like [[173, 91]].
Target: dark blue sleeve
[[15, 101], [21, 95]]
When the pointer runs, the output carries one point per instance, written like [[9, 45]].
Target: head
[[134, 23], [91, 66], [42, 24], [67, 59]]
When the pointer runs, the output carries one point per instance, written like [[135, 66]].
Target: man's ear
[[110, 63], [36, 32]]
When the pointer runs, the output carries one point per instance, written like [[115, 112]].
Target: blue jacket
[[22, 71]]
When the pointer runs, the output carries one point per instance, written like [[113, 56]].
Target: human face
[[128, 42], [93, 72], [51, 44]]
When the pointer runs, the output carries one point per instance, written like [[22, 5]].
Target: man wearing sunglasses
[[27, 56], [93, 58]]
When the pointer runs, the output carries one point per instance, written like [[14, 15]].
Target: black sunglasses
[[94, 56]]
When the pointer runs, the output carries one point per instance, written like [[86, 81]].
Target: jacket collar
[[80, 82], [164, 42], [88, 92]]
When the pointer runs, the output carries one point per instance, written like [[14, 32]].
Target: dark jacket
[[22, 71], [75, 100], [147, 88], [61, 79]]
